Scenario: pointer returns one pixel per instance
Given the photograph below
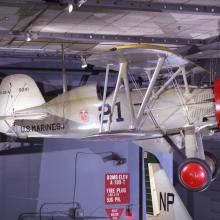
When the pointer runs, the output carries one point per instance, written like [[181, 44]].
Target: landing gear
[[194, 174], [213, 163]]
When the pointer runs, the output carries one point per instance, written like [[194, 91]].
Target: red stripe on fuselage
[[217, 99]]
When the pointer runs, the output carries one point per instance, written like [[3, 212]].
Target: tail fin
[[17, 92], [162, 200]]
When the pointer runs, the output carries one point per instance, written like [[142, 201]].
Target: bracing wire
[[179, 92], [75, 170], [141, 95]]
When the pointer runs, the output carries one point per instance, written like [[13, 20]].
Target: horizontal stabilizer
[[19, 116]]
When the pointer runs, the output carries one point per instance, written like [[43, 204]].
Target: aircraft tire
[[213, 163]]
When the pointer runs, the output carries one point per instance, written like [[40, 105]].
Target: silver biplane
[[160, 118]]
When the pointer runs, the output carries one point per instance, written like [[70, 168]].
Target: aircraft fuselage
[[77, 113]]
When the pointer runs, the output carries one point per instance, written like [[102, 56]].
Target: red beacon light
[[194, 174]]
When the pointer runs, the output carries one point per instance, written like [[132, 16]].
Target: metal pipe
[[64, 70]]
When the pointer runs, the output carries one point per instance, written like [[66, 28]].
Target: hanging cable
[[75, 170], [179, 93]]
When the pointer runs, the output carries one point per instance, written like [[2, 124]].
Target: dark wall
[[205, 205]]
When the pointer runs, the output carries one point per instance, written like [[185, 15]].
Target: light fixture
[[115, 157], [72, 4], [70, 7], [83, 62], [81, 2], [28, 36]]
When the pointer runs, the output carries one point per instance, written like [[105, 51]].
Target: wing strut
[[122, 75], [185, 80], [156, 95], [104, 96]]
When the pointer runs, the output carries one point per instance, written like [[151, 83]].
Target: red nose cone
[[194, 176]]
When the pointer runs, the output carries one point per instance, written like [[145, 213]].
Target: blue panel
[[58, 172], [28, 181]]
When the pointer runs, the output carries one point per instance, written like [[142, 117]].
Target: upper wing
[[140, 58]]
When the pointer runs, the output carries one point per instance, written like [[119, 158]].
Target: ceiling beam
[[70, 37], [196, 9], [32, 56], [52, 69], [212, 43], [153, 6]]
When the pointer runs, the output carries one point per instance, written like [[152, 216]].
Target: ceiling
[[52, 25], [189, 26]]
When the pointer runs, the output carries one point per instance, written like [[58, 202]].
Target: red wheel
[[194, 174]]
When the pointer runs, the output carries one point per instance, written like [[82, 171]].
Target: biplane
[[163, 117]]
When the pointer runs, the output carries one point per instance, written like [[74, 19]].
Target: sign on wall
[[114, 213], [117, 188]]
